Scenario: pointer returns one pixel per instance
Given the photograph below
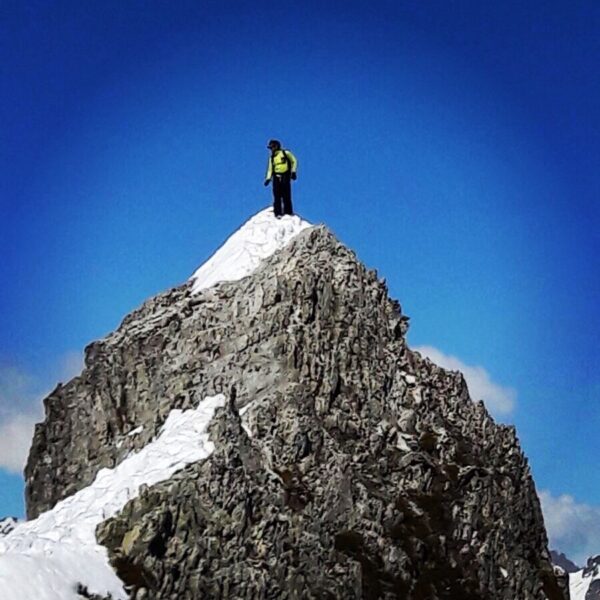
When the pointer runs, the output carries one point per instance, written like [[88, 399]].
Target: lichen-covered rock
[[359, 468]]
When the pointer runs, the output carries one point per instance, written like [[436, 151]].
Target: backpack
[[287, 160]]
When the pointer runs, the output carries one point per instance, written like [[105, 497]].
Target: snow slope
[[46, 559], [257, 239], [580, 582], [578, 586]]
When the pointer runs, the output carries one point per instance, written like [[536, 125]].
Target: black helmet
[[274, 145]]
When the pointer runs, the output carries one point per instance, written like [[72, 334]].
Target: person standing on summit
[[281, 170]]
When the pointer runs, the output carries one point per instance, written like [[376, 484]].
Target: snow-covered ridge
[[240, 255], [581, 581], [46, 558]]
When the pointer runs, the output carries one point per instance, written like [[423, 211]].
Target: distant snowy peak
[[585, 584], [560, 560], [240, 255]]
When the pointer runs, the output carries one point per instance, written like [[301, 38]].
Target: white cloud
[[572, 528], [16, 433], [498, 399], [15, 385], [21, 407]]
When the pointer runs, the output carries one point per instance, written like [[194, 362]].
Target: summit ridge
[[260, 237]]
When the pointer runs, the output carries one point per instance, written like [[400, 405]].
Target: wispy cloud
[[16, 433], [15, 385], [499, 399], [572, 528], [20, 406]]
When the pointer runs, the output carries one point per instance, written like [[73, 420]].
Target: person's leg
[[287, 195], [277, 196]]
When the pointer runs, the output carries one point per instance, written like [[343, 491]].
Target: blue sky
[[452, 145]]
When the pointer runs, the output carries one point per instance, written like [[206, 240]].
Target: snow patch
[[244, 418], [580, 582], [578, 585], [46, 559], [240, 255], [135, 431]]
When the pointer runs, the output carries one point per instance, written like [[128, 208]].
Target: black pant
[[282, 194]]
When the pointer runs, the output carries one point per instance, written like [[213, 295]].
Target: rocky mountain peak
[[560, 560], [338, 463]]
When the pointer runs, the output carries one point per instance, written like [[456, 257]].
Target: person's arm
[[293, 162], [269, 172]]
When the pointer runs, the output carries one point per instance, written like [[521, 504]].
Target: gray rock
[[7, 525], [367, 471], [592, 567], [593, 592], [562, 578]]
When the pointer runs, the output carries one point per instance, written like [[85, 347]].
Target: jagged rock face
[[592, 567], [562, 578], [362, 470], [562, 567], [593, 592]]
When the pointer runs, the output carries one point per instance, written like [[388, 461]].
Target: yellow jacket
[[279, 164]]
